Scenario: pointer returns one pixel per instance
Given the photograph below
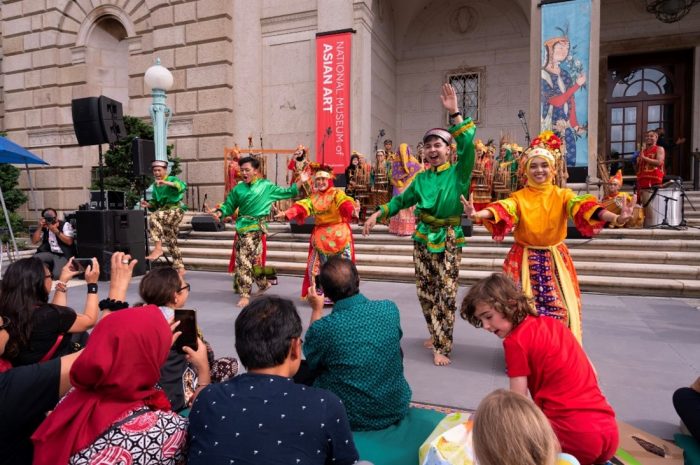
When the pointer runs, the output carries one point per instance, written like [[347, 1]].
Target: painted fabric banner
[[566, 35], [333, 99]]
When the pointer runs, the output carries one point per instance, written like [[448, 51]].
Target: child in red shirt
[[544, 357]]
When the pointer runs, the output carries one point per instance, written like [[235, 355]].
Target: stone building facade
[[245, 68]]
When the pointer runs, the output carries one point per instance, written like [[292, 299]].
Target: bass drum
[[662, 203]]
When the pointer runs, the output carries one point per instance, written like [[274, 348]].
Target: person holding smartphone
[[55, 240]]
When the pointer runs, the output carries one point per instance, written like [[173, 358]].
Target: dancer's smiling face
[[539, 170], [436, 151]]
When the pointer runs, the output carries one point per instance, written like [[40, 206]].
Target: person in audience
[[509, 429], [165, 288], [55, 240], [355, 351], [41, 330], [115, 412], [686, 401], [27, 393], [544, 358], [262, 416]]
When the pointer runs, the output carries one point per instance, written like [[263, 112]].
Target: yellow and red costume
[[539, 261], [332, 209], [614, 201]]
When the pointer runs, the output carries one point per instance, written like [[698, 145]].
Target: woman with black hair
[[351, 174], [41, 330]]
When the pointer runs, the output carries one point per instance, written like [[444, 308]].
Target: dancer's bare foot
[[155, 253], [441, 360], [243, 302], [428, 343]]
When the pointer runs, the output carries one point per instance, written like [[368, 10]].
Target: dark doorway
[[646, 92]]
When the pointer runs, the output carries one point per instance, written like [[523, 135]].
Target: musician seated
[[614, 200]]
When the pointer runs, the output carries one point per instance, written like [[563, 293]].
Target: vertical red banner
[[333, 99]]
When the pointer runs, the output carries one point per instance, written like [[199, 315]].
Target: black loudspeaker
[[305, 228], [110, 226], [103, 253], [97, 120], [143, 153], [206, 223], [113, 200]]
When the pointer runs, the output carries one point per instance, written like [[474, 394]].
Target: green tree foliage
[[14, 198], [118, 169]]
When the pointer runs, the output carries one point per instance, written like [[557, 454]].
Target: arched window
[[642, 81], [107, 54]]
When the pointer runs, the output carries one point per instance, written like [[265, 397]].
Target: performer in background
[[298, 164], [351, 172], [404, 169], [333, 209], [253, 198], [650, 163], [167, 211], [615, 200], [539, 261], [438, 238]]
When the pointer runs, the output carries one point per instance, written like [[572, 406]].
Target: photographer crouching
[[56, 241]]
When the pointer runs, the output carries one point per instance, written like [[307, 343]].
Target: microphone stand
[[329, 131], [523, 121]]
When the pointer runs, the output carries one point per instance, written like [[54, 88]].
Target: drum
[[662, 206]]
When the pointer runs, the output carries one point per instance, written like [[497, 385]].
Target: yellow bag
[[450, 443]]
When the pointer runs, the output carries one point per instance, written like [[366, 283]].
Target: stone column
[[694, 141], [334, 15], [247, 71], [361, 99], [533, 118], [593, 82]]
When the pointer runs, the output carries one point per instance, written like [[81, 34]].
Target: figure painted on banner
[[438, 238], [298, 164], [558, 102], [233, 171], [650, 163], [539, 261], [253, 199], [167, 211], [332, 209], [404, 169], [614, 200]]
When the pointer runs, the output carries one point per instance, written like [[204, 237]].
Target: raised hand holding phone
[[188, 327]]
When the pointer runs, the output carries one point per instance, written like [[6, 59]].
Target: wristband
[[92, 288], [61, 286], [456, 114]]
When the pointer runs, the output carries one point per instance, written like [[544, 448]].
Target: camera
[[50, 219]]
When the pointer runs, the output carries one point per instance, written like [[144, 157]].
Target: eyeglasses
[[5, 322], [186, 286]]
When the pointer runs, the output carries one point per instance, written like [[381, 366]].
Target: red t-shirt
[[560, 377]]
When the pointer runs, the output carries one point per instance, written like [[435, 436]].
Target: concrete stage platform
[[643, 347]]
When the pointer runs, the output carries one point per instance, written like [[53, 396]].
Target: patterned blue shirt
[[357, 348], [265, 419]]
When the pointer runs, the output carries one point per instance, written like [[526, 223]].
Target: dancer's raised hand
[[468, 205]]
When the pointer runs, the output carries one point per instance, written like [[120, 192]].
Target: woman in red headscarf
[[115, 411]]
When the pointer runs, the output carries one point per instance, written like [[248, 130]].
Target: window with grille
[[466, 86]]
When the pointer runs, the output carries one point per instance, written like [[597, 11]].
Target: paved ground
[[643, 347]]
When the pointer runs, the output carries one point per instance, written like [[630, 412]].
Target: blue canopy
[[13, 153]]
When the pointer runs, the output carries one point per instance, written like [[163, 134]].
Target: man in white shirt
[[55, 240]]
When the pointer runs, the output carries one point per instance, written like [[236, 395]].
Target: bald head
[[339, 279]]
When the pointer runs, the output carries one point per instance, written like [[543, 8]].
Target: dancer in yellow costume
[[539, 261], [332, 236]]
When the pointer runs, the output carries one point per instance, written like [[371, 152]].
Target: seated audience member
[[115, 413], [544, 357], [28, 392], [55, 240], [262, 416], [166, 288], [506, 417], [355, 351], [686, 401], [41, 330]]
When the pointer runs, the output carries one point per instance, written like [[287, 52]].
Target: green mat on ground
[[691, 448], [398, 444]]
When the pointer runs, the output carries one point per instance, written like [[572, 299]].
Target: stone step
[[385, 250], [492, 265], [601, 284]]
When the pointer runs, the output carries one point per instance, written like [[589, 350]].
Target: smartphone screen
[[81, 264], [188, 327]]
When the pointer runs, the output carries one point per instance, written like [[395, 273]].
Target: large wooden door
[[648, 92]]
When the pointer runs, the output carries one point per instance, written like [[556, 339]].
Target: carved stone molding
[[464, 20], [56, 137]]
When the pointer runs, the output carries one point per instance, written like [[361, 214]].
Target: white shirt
[[53, 241]]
